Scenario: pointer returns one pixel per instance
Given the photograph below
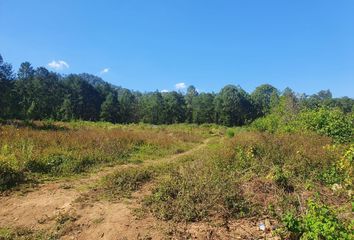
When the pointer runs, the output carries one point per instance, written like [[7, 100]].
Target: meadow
[[282, 184], [38, 150]]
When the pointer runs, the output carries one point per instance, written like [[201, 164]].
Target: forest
[[38, 94]]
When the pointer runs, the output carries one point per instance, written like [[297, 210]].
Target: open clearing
[[41, 208], [166, 182], [71, 208]]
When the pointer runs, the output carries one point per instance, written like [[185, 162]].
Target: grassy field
[[295, 185], [38, 150]]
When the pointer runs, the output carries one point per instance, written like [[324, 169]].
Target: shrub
[[319, 222], [123, 182], [330, 122], [230, 133], [345, 165], [80, 165], [331, 175], [270, 123], [58, 164], [293, 225], [281, 179], [9, 176], [283, 157], [37, 166], [198, 191]]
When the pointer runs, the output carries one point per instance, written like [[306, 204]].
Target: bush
[[319, 222], [332, 175], [281, 179], [198, 191], [58, 164], [281, 157], [330, 122], [80, 165], [270, 123], [230, 133], [37, 166], [345, 165], [9, 176], [123, 182]]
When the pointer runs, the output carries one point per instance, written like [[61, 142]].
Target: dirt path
[[72, 209], [65, 206]]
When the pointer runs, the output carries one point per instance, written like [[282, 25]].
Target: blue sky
[[307, 45]]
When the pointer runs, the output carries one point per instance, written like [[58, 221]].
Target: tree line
[[37, 94]]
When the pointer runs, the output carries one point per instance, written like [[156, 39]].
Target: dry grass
[[62, 149], [251, 174]]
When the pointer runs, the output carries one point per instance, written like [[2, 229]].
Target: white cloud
[[105, 70], [164, 91], [181, 86], [58, 65]]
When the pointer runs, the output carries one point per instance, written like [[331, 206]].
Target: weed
[[64, 218], [196, 192], [123, 182], [9, 176], [230, 133], [21, 233], [64, 149], [319, 222]]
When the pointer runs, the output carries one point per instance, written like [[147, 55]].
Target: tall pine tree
[[110, 109]]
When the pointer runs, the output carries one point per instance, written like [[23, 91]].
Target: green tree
[[152, 108], [110, 109], [204, 109], [264, 97], [25, 71], [66, 109], [39, 95], [175, 107], [85, 99], [6, 85], [190, 95], [128, 107], [346, 104], [233, 106], [321, 99]]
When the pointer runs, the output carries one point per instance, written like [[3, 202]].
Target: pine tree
[[190, 96], [6, 99], [66, 110], [110, 109]]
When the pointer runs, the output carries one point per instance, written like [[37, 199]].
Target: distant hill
[[95, 80]]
